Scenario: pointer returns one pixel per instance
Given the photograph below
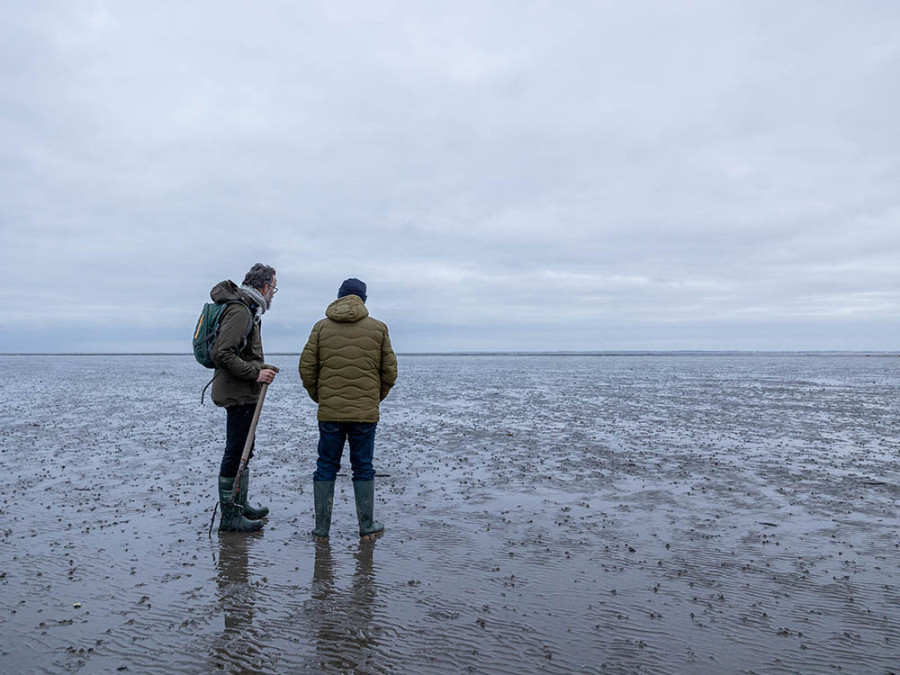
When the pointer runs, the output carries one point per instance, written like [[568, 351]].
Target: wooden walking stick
[[251, 435]]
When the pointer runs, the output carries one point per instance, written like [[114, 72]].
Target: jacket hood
[[348, 309], [228, 290]]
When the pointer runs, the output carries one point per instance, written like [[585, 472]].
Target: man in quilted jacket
[[347, 367]]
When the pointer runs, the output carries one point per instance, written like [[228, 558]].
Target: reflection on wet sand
[[238, 647], [235, 595], [346, 636]]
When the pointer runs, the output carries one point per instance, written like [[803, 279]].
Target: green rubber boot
[[364, 491], [232, 514], [323, 493], [250, 512]]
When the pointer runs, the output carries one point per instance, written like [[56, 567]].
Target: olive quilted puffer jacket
[[348, 365]]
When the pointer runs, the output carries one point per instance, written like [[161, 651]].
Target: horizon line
[[562, 352]]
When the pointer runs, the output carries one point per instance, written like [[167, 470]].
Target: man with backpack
[[347, 367], [240, 372]]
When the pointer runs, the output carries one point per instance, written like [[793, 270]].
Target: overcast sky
[[504, 175]]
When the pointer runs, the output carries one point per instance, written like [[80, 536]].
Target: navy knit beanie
[[352, 287]]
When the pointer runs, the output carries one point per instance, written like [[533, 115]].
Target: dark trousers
[[237, 427], [332, 436]]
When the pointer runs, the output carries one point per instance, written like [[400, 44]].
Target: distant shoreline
[[528, 353]]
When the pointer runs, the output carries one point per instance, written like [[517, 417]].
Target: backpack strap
[[249, 325], [203, 393]]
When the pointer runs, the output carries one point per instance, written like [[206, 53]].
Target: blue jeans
[[332, 436]]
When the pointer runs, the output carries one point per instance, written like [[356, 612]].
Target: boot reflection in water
[[235, 592], [364, 587], [239, 647], [346, 635], [323, 571]]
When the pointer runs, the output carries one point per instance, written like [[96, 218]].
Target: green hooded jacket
[[235, 382], [348, 365]]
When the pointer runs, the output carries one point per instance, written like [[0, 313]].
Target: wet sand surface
[[544, 514]]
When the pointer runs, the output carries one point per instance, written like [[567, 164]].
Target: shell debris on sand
[[741, 505]]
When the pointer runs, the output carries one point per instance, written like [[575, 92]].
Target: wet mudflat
[[545, 514]]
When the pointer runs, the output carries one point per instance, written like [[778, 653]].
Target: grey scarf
[[261, 304]]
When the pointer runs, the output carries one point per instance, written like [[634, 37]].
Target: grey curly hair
[[259, 275]]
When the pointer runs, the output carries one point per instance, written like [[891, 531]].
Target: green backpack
[[207, 330]]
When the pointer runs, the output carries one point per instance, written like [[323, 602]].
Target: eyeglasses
[[274, 290]]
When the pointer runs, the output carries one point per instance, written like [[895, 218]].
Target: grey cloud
[[635, 173]]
